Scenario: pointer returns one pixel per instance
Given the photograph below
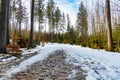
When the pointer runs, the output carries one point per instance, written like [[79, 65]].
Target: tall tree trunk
[[20, 18], [109, 28], [39, 31], [3, 26], [32, 24], [19, 27], [7, 23]]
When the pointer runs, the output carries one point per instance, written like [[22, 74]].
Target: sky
[[69, 7]]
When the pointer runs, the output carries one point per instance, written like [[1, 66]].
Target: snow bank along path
[[97, 64]]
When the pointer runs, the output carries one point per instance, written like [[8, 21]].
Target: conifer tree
[[31, 44], [68, 27], [57, 21], [7, 23], [63, 22], [39, 11], [3, 24], [50, 15], [82, 22], [57, 18], [20, 14], [109, 28], [0, 5]]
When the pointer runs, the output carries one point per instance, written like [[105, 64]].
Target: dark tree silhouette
[[4, 17], [32, 25]]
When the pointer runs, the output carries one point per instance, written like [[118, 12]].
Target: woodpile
[[13, 49]]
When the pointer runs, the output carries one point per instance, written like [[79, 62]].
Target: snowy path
[[97, 64], [54, 67]]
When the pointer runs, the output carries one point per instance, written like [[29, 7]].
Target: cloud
[[69, 7]]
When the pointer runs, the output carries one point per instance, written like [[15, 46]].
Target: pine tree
[[57, 20], [109, 28], [72, 35], [68, 27], [82, 22], [31, 44], [39, 11], [68, 23], [7, 23], [20, 14], [0, 5], [3, 24], [50, 15], [62, 24]]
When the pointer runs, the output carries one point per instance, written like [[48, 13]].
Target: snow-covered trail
[[97, 64]]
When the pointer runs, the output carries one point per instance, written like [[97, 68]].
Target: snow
[[97, 64], [72, 75], [6, 58]]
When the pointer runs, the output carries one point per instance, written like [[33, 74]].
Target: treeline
[[99, 25], [49, 24]]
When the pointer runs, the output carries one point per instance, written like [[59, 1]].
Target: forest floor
[[61, 62]]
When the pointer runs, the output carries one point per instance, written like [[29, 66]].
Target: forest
[[97, 26], [59, 39]]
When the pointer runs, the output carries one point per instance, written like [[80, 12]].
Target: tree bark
[[7, 23], [39, 32], [32, 24], [19, 27], [3, 26], [109, 28], [20, 18]]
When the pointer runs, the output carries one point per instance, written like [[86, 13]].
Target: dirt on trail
[[54, 67], [10, 62]]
